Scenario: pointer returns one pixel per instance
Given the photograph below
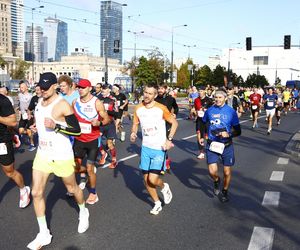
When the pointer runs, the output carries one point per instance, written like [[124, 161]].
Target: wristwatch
[[170, 138]]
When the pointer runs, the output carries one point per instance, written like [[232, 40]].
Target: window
[[260, 60]]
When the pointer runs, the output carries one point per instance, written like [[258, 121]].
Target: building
[[79, 65], [17, 28], [111, 29], [57, 33], [5, 28], [33, 43], [271, 61]]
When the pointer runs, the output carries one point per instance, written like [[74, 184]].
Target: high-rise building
[[5, 28], [33, 44], [111, 28], [57, 33], [17, 28]]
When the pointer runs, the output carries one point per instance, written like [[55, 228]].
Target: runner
[[55, 120], [286, 100], [90, 113], [192, 96], [223, 125], [67, 90], [270, 102], [152, 117], [280, 106], [233, 101], [255, 100], [7, 160]]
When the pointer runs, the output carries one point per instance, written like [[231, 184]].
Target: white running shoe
[[166, 191], [156, 209], [42, 239], [201, 156], [24, 197], [83, 221], [83, 182]]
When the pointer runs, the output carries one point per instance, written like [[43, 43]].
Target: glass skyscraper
[[111, 28], [17, 29], [57, 33]]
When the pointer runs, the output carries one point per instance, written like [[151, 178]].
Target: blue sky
[[211, 24]]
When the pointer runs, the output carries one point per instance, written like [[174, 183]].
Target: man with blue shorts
[[152, 117], [223, 125]]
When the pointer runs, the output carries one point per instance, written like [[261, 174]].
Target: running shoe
[[156, 209], [24, 197], [217, 187], [31, 148], [223, 197], [113, 164], [167, 194], [92, 199], [83, 182], [201, 156], [17, 141], [83, 221], [269, 132], [42, 239], [103, 158], [278, 122]]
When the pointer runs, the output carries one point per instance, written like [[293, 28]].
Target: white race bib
[[106, 105], [3, 149], [118, 103], [149, 131], [217, 147], [254, 106], [270, 104], [200, 113], [24, 116], [86, 128]]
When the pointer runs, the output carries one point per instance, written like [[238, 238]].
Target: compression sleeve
[[73, 127], [175, 106], [236, 130]]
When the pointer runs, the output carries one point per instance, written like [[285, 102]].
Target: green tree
[[203, 76], [144, 73], [20, 70], [218, 76], [257, 80]]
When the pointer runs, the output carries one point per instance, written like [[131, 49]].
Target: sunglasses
[[80, 87], [45, 88]]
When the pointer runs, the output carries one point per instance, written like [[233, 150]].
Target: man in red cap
[[90, 113]]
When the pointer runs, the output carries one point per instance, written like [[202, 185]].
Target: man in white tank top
[[55, 122]]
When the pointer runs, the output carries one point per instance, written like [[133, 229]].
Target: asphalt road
[[195, 219]]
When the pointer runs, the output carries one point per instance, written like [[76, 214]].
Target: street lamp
[[32, 43], [135, 36], [189, 46], [172, 52], [228, 68]]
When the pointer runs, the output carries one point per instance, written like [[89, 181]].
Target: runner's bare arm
[[10, 120], [103, 114]]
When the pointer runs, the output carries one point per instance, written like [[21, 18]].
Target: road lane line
[[271, 198], [261, 238], [277, 176], [123, 159], [283, 161]]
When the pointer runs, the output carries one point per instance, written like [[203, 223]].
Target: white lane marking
[[283, 161], [277, 176], [123, 159], [271, 198], [262, 238], [189, 137], [180, 119]]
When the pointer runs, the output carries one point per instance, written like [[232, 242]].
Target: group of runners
[[71, 125]]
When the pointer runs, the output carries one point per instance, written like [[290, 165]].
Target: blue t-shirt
[[194, 95], [295, 93], [220, 119], [71, 98], [270, 101]]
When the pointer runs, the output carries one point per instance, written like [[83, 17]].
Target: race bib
[[24, 116], [106, 105], [217, 147], [149, 131], [86, 128], [3, 149], [118, 103], [45, 144], [270, 104], [254, 106], [200, 113]]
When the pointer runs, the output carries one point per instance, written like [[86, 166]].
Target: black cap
[[47, 80], [105, 86], [201, 87]]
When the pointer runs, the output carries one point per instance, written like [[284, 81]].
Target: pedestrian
[[152, 117], [55, 120], [270, 102], [223, 125]]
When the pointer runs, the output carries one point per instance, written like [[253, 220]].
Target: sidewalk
[[293, 147]]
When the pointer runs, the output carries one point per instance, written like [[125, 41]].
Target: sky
[[212, 25]]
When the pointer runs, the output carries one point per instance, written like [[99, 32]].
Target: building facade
[[34, 49], [57, 33], [17, 28], [271, 61], [111, 29], [5, 27]]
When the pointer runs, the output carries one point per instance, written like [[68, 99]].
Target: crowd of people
[[73, 128]]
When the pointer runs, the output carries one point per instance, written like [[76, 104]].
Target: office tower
[[111, 28], [17, 29], [57, 33], [34, 38], [5, 28]]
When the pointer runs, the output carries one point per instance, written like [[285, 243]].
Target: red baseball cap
[[83, 83]]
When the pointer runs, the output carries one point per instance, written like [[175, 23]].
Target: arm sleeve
[[73, 128], [236, 130], [175, 106]]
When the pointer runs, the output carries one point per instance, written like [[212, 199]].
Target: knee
[[9, 172], [71, 188], [36, 193], [227, 173]]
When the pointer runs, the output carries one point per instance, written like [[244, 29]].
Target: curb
[[293, 146]]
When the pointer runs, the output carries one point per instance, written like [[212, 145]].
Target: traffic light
[[248, 43], [287, 42], [116, 46]]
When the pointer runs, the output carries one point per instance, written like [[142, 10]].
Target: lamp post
[[189, 47], [228, 68], [172, 52], [32, 37]]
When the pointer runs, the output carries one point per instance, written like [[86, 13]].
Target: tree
[[143, 72], [203, 76], [218, 76], [20, 70], [257, 80]]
